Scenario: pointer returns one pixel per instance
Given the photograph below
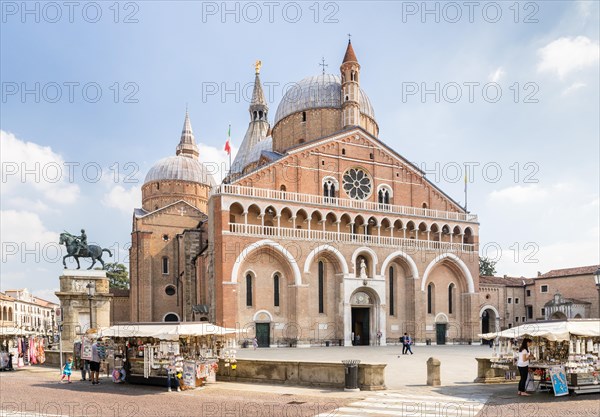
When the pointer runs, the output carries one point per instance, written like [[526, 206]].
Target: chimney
[[539, 274]]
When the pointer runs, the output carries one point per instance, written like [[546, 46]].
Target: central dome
[[320, 91], [181, 168]]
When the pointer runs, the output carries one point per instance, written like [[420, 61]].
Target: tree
[[117, 275], [487, 268]]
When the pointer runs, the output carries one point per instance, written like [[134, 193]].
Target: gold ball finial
[[257, 66]]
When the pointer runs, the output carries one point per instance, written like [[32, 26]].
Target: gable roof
[[568, 272], [506, 281], [345, 133], [141, 213]]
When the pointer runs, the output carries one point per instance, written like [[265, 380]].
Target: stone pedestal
[[76, 303], [433, 372]]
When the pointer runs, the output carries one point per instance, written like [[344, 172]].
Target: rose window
[[357, 184]]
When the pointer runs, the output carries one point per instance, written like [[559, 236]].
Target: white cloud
[[33, 171], [216, 160], [123, 199], [572, 88], [568, 54], [26, 227], [497, 75]]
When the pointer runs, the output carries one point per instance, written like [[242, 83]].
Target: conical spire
[[250, 148], [350, 56], [187, 144], [258, 105]]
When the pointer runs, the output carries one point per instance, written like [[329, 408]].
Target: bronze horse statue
[[90, 251]]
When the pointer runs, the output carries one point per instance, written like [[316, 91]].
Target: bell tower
[[350, 71]]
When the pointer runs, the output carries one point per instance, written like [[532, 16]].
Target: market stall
[[178, 355], [19, 347], [567, 354]]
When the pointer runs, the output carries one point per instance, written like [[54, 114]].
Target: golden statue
[[257, 66]]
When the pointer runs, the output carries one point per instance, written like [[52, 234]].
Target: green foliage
[[117, 275], [487, 268]]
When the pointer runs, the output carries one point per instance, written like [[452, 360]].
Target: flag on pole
[[228, 143]]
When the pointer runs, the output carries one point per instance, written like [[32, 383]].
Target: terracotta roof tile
[[581, 270], [508, 281]]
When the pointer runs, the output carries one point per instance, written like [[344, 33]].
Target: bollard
[[433, 372]]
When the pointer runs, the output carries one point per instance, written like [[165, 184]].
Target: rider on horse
[[81, 242]]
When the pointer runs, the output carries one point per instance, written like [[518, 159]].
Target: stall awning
[[554, 330], [165, 331]]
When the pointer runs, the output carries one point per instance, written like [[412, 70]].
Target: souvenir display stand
[[157, 354], [567, 354]]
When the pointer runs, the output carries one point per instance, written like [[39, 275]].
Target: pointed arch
[[276, 247], [456, 260], [327, 248], [400, 254], [372, 255]]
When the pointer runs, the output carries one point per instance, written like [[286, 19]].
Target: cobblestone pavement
[[38, 392], [35, 391]]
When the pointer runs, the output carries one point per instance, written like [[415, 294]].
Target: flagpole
[[465, 188], [229, 153]]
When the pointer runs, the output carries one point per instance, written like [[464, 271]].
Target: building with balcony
[[321, 231], [29, 313]]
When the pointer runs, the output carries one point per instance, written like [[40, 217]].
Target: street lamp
[[90, 288], [597, 279]]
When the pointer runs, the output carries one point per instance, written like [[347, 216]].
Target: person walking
[[523, 365], [95, 364], [255, 343], [67, 369], [406, 342]]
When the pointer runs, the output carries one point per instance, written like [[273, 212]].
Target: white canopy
[[14, 331], [553, 330], [165, 331]]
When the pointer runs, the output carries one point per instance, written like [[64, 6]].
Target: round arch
[[171, 317], [441, 318], [371, 252], [273, 245], [489, 307], [257, 316], [411, 264], [326, 248], [458, 262]]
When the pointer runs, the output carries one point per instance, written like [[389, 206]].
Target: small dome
[[179, 168], [320, 91]]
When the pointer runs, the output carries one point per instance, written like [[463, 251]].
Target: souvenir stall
[[26, 348], [177, 355], [567, 354]]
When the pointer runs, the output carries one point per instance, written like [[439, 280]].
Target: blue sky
[[544, 202]]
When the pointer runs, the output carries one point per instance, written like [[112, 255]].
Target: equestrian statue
[[77, 247]]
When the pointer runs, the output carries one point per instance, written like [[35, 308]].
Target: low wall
[[53, 357], [320, 374]]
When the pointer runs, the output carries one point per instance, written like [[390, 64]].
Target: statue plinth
[[84, 296]]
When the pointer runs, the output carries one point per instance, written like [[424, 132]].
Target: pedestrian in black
[[406, 342]]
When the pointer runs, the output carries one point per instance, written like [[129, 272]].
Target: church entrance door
[[263, 334], [440, 333], [361, 325]]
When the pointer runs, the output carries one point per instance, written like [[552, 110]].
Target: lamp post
[[90, 288], [597, 279]]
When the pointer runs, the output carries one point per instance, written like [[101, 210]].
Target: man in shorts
[[95, 364]]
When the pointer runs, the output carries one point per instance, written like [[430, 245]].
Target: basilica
[[320, 233]]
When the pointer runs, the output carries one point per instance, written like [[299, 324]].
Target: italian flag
[[228, 143]]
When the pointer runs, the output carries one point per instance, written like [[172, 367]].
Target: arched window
[[321, 287], [4, 314], [430, 299], [392, 292], [249, 290], [329, 188], [450, 298], [304, 116], [171, 317], [276, 290]]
